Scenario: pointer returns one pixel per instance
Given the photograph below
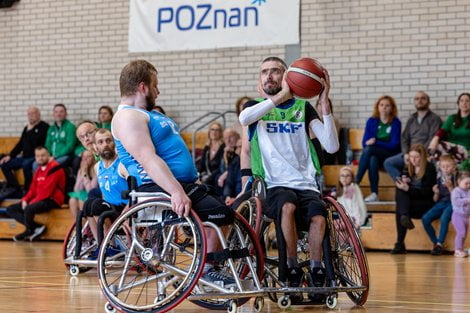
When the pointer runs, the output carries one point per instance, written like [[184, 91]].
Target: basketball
[[304, 78]]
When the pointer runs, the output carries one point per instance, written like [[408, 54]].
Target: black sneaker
[[38, 231], [295, 277], [399, 248], [218, 277], [317, 279], [23, 236], [405, 221], [437, 250]]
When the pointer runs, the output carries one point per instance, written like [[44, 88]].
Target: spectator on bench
[[350, 196], [420, 128], [381, 140], [105, 115], [60, 140], [442, 209], [454, 136], [86, 181], [209, 164], [22, 155], [413, 193], [47, 191]]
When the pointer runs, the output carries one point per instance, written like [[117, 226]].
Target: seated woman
[[209, 163], [454, 136], [413, 193], [381, 140], [105, 115], [86, 180]]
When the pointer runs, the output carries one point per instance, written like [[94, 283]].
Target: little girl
[[460, 217], [350, 196]]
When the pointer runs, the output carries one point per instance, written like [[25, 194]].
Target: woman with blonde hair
[[381, 140], [414, 193], [212, 155]]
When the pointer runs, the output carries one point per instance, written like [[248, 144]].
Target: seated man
[[151, 148], [111, 180], [61, 140], [47, 191], [22, 155], [288, 163]]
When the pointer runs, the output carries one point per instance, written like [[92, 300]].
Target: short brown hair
[[134, 73]]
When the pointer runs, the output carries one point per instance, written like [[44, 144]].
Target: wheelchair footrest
[[320, 290]]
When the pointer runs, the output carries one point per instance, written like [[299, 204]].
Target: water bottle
[[349, 155]]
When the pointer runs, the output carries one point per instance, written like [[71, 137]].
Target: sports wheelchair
[[79, 243], [164, 255], [343, 256]]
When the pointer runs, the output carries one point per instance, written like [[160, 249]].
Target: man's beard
[[272, 91], [108, 154], [43, 163], [149, 103]]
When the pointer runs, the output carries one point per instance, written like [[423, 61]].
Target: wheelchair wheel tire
[[350, 261], [155, 264], [88, 245]]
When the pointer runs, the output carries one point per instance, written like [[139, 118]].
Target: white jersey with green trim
[[285, 149]]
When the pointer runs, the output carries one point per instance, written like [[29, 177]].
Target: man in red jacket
[[47, 191]]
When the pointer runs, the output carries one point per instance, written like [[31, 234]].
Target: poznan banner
[[171, 25]]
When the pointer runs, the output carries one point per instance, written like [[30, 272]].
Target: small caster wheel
[[108, 308], [232, 307], [259, 304], [284, 302], [331, 302], [74, 270]]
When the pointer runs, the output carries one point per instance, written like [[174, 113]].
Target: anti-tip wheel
[[108, 308], [259, 304], [74, 270], [284, 302], [331, 302], [232, 307]]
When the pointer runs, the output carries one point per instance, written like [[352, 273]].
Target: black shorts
[[208, 207], [94, 207], [308, 204]]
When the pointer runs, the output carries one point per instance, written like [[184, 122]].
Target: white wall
[[72, 52]]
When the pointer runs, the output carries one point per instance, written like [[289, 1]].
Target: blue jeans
[[442, 210], [394, 165], [14, 164], [372, 158]]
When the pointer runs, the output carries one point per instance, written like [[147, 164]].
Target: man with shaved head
[[22, 155]]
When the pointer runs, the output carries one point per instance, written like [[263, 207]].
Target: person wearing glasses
[[420, 128]]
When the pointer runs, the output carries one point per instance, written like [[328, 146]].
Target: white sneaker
[[372, 197], [38, 231]]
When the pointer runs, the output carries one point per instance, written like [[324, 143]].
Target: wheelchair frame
[[343, 255], [163, 259]]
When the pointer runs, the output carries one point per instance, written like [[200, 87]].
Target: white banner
[[170, 25]]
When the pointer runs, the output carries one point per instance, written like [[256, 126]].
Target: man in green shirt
[[61, 140]]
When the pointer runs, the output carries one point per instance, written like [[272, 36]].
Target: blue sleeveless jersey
[[169, 146], [111, 183]]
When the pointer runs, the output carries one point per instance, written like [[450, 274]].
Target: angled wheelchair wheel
[[151, 259], [251, 210], [350, 262], [246, 253], [88, 245]]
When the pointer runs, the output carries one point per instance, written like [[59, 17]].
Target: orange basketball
[[304, 78]]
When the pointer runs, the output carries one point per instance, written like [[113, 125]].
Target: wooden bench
[[6, 145], [57, 221]]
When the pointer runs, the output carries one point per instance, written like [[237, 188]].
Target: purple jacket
[[461, 201]]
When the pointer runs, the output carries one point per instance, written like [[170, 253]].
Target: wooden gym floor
[[34, 279]]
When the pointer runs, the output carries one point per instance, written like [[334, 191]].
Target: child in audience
[[443, 208], [86, 180], [350, 196], [460, 198]]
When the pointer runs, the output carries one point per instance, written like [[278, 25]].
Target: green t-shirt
[[383, 131], [460, 135]]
